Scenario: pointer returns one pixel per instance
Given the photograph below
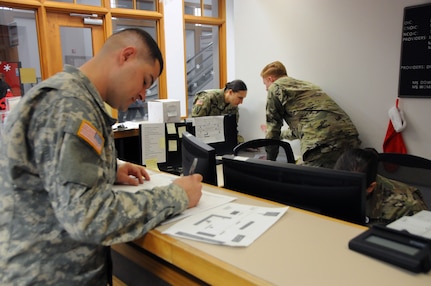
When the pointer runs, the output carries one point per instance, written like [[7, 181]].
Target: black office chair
[[409, 169], [262, 142]]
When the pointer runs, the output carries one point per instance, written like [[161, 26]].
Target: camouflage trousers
[[326, 155]]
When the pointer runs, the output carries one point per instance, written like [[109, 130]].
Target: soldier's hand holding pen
[[192, 185]]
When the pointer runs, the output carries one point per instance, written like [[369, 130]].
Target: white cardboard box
[[164, 110]]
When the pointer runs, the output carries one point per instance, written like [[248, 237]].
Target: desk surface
[[302, 248], [126, 133]]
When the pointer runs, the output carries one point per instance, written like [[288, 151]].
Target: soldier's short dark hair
[[145, 37], [359, 160]]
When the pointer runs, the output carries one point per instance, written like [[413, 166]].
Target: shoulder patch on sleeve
[[199, 102], [91, 135]]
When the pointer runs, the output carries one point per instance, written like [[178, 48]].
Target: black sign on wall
[[415, 67]]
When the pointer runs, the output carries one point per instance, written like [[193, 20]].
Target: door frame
[[56, 20]]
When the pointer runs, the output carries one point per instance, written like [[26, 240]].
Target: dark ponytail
[[235, 85]]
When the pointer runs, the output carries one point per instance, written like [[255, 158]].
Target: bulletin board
[[415, 66]]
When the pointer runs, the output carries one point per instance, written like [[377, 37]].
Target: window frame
[[219, 21]]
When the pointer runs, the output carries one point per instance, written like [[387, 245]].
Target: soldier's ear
[[371, 187]]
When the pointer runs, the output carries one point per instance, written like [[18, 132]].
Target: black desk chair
[[409, 169], [262, 142]]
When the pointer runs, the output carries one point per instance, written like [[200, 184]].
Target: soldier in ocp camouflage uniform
[[323, 128], [58, 211], [387, 199], [214, 102], [392, 199]]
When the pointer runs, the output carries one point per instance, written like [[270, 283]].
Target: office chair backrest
[[262, 142], [334, 193], [409, 169]]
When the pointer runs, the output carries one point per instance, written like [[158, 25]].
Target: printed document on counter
[[418, 224], [229, 224], [157, 179]]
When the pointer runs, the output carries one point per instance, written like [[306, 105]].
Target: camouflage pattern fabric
[[58, 211], [211, 103], [391, 200], [324, 129]]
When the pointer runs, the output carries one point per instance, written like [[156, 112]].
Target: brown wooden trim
[[21, 4], [196, 262], [203, 20], [74, 8], [117, 282], [126, 133], [223, 43], [163, 82], [128, 13]]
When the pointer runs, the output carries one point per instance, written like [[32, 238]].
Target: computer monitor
[[335, 193], [191, 148]]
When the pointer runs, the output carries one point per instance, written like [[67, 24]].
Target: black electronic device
[[400, 248], [192, 149], [335, 193]]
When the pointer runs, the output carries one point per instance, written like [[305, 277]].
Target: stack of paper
[[418, 224]]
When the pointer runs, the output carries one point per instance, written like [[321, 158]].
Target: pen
[[193, 166]]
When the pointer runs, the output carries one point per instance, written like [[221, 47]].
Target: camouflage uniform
[[391, 200], [323, 128], [58, 211], [211, 102]]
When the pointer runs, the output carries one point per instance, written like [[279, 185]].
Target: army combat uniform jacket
[[57, 209], [211, 103], [323, 128], [391, 200]]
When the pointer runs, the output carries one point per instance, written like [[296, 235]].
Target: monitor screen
[[335, 193], [192, 148]]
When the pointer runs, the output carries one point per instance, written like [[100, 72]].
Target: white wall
[[350, 48], [174, 53]]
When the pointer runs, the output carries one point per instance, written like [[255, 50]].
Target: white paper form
[[153, 141], [418, 224], [230, 224], [210, 129], [208, 201], [157, 179], [126, 125]]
